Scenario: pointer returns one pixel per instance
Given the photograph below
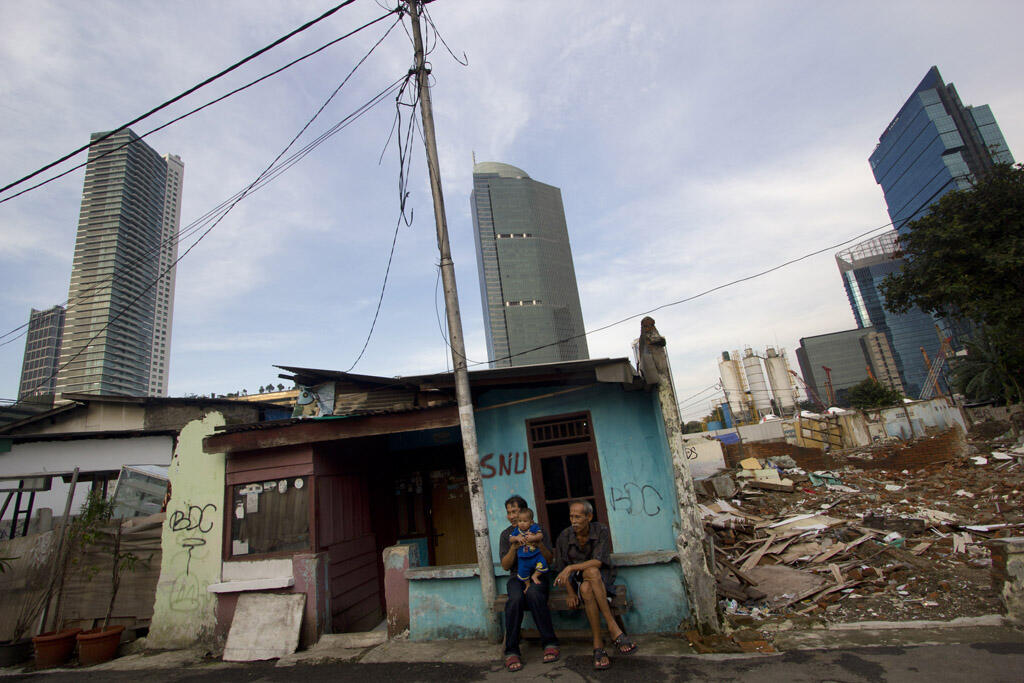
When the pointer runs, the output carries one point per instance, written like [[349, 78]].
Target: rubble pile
[[857, 543]]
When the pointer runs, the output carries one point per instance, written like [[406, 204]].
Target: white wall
[[91, 455]]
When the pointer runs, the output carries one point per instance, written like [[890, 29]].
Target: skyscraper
[[863, 267], [528, 287], [42, 350], [121, 299], [851, 357], [934, 145]]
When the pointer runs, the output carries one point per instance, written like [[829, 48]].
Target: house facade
[[374, 469]]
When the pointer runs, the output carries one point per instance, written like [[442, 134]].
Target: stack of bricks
[[1008, 575]]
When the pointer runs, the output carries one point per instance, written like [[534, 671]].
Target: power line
[[181, 95], [270, 172], [695, 296], [228, 204], [185, 115]]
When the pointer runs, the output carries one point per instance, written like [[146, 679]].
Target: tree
[[872, 394], [693, 427], [965, 261], [985, 373]]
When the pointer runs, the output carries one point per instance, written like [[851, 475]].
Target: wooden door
[[452, 522]]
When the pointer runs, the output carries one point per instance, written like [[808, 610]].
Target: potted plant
[[18, 648], [100, 644], [54, 648]]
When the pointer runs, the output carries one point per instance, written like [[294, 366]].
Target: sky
[[694, 143]]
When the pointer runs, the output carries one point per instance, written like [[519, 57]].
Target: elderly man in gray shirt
[[584, 566]]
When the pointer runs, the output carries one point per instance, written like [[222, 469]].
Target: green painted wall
[[185, 612]]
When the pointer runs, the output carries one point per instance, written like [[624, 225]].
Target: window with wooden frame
[[270, 517], [564, 464]]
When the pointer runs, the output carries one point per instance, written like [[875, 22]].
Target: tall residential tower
[[42, 351], [120, 303], [527, 282]]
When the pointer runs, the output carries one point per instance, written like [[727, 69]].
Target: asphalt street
[[988, 662]]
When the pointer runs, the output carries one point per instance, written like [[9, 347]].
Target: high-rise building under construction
[[117, 329], [531, 304]]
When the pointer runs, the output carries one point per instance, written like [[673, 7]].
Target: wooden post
[[692, 542]]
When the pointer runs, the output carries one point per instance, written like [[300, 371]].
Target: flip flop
[[513, 663], [624, 644], [599, 655]]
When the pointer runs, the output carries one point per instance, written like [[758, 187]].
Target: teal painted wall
[[632, 451], [451, 608], [446, 609]]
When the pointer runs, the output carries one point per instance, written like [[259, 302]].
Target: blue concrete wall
[[632, 452], [451, 608], [447, 609]]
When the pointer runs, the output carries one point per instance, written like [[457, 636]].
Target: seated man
[[520, 600], [583, 563]]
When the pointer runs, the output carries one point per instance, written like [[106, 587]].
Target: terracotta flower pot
[[98, 644], [15, 651], [54, 647]]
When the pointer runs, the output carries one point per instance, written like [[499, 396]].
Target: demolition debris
[[889, 532]]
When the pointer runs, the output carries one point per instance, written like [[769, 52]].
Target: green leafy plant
[[871, 393]]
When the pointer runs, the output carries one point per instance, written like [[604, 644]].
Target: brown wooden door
[[452, 522]]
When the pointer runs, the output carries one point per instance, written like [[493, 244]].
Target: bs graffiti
[[512, 463], [634, 499]]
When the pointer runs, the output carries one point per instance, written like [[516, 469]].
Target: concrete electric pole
[[467, 421]]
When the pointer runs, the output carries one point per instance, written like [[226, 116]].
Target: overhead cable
[[181, 95]]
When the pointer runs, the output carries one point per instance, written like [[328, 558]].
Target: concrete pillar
[[691, 541], [1008, 575], [397, 559], [311, 577]]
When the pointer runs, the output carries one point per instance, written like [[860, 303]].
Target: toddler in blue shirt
[[531, 563]]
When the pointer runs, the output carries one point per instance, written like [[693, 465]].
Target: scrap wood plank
[[829, 554], [756, 557], [724, 561], [836, 572], [921, 547]]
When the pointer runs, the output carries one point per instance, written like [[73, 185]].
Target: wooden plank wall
[[274, 463], [345, 533]]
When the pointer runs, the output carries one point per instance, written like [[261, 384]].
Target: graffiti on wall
[[190, 525], [636, 499], [507, 463]]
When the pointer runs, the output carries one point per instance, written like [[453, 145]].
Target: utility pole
[[467, 422]]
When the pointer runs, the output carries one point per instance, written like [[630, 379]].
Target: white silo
[[733, 384], [780, 379], [759, 394]]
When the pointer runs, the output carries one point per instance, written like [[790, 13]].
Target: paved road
[[982, 662]]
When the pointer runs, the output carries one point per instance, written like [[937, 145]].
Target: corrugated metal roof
[[515, 374], [274, 424]]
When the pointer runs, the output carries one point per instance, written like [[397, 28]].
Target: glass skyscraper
[[121, 299], [528, 290], [934, 145]]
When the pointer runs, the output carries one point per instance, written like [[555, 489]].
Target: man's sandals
[[513, 662], [624, 644], [551, 654]]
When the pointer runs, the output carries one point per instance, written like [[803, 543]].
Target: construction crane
[[811, 393], [931, 383]]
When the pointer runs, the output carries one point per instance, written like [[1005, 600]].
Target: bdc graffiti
[[636, 499], [191, 523]]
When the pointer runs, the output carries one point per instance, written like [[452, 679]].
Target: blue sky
[[694, 143]]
